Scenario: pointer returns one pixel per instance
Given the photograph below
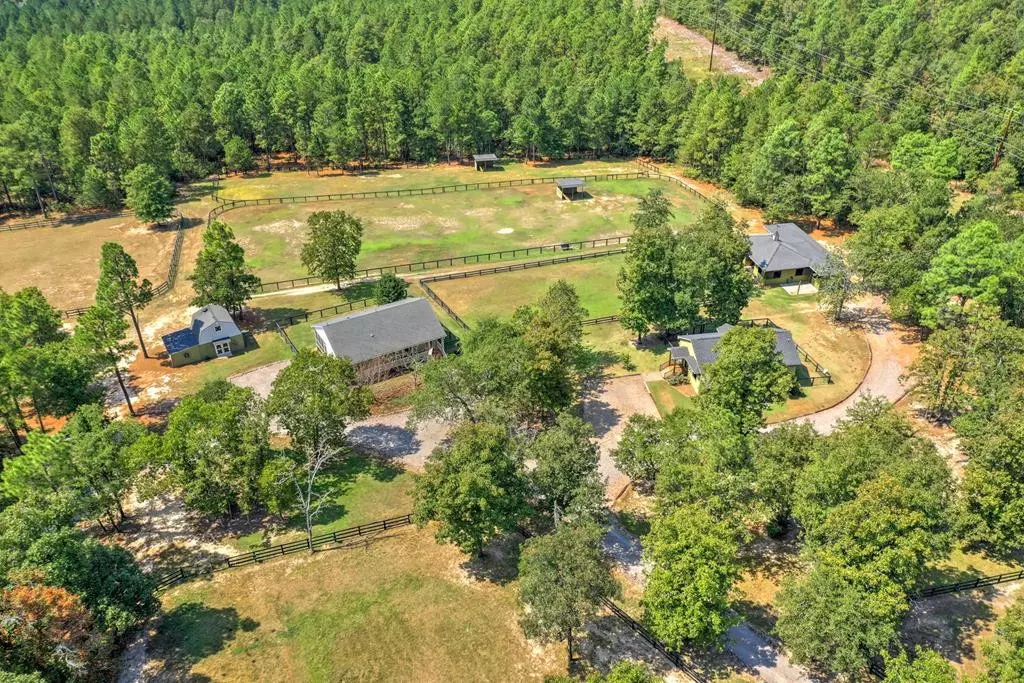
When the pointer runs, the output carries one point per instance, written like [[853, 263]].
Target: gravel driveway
[[606, 408], [888, 362]]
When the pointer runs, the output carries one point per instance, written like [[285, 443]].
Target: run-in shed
[[482, 162], [568, 188]]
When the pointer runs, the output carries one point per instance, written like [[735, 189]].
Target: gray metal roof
[[705, 352], [210, 323], [786, 246], [568, 183], [485, 157], [380, 330]]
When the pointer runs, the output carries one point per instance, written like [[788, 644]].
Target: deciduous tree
[[748, 376], [148, 194], [564, 577], [474, 487], [693, 567], [221, 275], [330, 252]]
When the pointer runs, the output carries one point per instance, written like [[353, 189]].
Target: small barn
[[212, 334], [484, 162], [569, 188], [786, 255], [693, 353], [383, 340]]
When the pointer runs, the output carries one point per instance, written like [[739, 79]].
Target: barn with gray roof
[[383, 340], [212, 334], [786, 255]]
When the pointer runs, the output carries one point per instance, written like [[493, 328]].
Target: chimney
[[775, 236]]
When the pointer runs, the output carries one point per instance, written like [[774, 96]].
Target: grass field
[[300, 183], [64, 262], [500, 294], [401, 608], [411, 229]]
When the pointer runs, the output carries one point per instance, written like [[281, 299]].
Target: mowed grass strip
[[500, 294], [414, 229], [400, 609], [64, 262]]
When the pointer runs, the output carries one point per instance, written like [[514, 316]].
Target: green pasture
[[411, 229]]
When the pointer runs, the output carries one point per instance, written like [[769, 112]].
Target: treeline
[[878, 71], [93, 91]]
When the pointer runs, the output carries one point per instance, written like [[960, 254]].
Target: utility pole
[[714, 36], [1002, 140]]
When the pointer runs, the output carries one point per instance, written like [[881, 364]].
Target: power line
[[870, 74], [888, 104]]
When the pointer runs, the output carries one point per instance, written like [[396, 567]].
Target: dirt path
[[694, 50]]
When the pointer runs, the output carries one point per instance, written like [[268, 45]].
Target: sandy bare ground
[[955, 624], [688, 45]]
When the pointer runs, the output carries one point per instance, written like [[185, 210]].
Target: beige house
[[786, 255], [693, 353]]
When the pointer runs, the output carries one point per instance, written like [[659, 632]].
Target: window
[[771, 274], [800, 271], [222, 348], [217, 328], [186, 354]]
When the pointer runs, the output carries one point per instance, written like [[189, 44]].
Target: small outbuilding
[[383, 340], [568, 188], [213, 334], [484, 162], [693, 353], [786, 255]]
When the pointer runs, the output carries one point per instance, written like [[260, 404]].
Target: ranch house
[[213, 334], [383, 340], [786, 255], [693, 353]]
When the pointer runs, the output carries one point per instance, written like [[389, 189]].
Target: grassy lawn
[[500, 294], [402, 608], [262, 348], [617, 344], [64, 262], [360, 490], [842, 350], [669, 398], [411, 229]]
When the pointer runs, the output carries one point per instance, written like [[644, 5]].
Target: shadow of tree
[[950, 623], [499, 561], [191, 632], [385, 441]]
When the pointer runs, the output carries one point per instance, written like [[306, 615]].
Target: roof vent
[[775, 236]]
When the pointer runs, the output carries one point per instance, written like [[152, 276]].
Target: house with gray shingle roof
[[382, 340], [212, 334], [695, 352], [786, 255]]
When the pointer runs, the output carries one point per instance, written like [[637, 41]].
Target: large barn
[[383, 340]]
